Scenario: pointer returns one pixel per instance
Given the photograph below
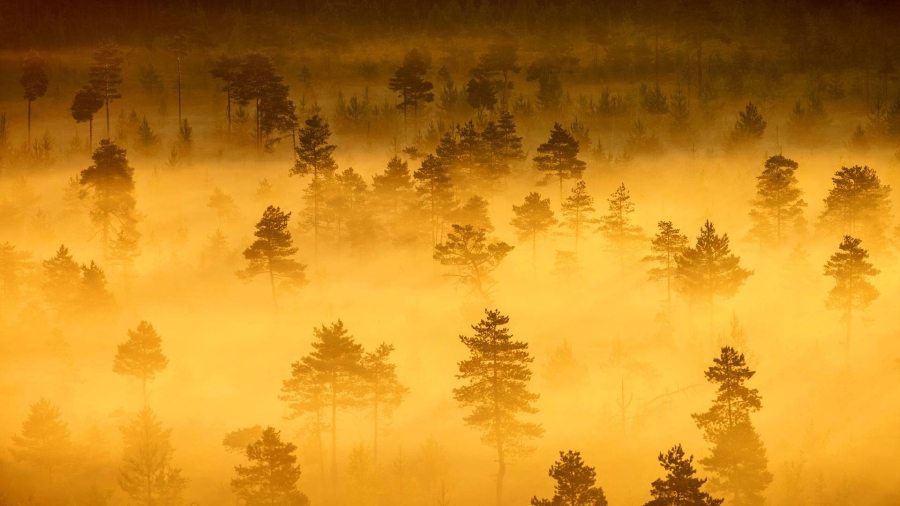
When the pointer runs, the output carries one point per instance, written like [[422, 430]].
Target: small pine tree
[[272, 251], [474, 258], [271, 478], [858, 204], [680, 487], [85, 105], [577, 212], [141, 355], [34, 82], [749, 127], [852, 290], [93, 296], [111, 183], [146, 473], [435, 192], [616, 224], [558, 158], [574, 483], [105, 73], [383, 391], [532, 219], [666, 245], [45, 438], [473, 212], [497, 373], [63, 279], [777, 204]]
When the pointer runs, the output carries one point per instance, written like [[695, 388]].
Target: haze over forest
[[448, 253]]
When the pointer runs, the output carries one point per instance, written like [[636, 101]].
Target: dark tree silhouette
[[510, 145], [34, 82], [858, 204], [111, 182], [223, 204], [179, 47], [105, 73], [480, 95], [473, 257], [574, 483], [666, 245], [558, 158], [497, 374], [146, 473], [383, 391], [45, 438], [238, 440], [852, 290], [271, 478], [749, 127], [709, 270], [63, 278], [258, 82], [435, 192], [577, 212], [475, 212], [616, 224], [500, 59], [394, 187], [314, 158], [272, 253], [227, 68], [777, 203], [93, 296], [738, 458], [334, 368], [141, 355], [533, 218], [679, 487], [409, 83], [85, 104]]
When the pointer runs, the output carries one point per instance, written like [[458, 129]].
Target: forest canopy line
[[449, 252]]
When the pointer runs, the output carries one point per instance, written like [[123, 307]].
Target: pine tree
[[223, 204], [336, 362], [475, 212], [238, 440], [435, 192], [533, 218], [680, 487], [111, 182], [577, 211], [383, 391], [85, 105], [738, 458], [511, 144], [749, 127], [105, 73], [616, 225], [34, 82], [494, 161], [852, 290], [13, 266], [574, 483], [558, 158], [777, 198], [146, 473], [272, 253], [45, 438], [666, 245], [500, 59], [409, 83], [227, 68], [271, 478], [314, 158], [141, 355], [474, 258], [497, 374], [480, 95], [709, 270], [63, 279], [347, 204], [308, 396], [179, 47], [858, 204], [393, 188], [259, 83], [93, 296]]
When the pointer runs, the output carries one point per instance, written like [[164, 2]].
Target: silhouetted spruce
[[34, 83], [558, 158], [575, 483], [532, 219], [272, 253], [737, 458], [679, 487], [617, 227], [435, 192], [777, 205], [409, 83], [105, 73], [666, 245], [44, 441], [496, 377], [852, 289], [577, 212], [141, 355], [382, 391], [146, 473], [467, 249], [314, 158], [271, 478], [63, 278]]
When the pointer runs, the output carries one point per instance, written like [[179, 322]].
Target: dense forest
[[446, 253]]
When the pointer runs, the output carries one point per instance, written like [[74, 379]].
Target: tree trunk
[[29, 125], [144, 388], [501, 471], [333, 439], [91, 135], [179, 91], [375, 435], [107, 114], [272, 283]]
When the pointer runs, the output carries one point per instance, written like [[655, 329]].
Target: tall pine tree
[[777, 206], [532, 219], [141, 355], [272, 253], [558, 158], [679, 487], [271, 478], [852, 290]]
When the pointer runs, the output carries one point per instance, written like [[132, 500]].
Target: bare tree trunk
[[272, 283], [501, 471], [29, 125]]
